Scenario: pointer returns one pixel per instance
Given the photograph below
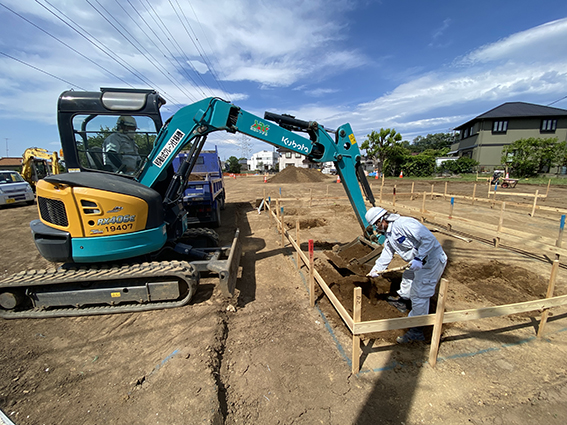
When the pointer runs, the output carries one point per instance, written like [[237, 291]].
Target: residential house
[[294, 159], [11, 163], [263, 160], [484, 137]]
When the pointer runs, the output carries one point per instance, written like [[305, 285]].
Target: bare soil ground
[[266, 357]]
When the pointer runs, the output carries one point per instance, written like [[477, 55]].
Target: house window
[[288, 154], [297, 155], [500, 127], [548, 125], [467, 132]]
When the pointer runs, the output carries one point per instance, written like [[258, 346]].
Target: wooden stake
[[423, 202], [501, 220], [356, 316], [474, 193], [311, 274], [283, 229], [535, 202], [550, 290], [432, 192], [438, 325], [394, 197], [412, 185], [381, 190], [270, 210], [451, 210], [547, 191], [298, 242], [264, 200]]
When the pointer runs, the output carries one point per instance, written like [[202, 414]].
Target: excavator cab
[[110, 131]]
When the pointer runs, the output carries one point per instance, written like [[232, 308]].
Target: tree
[[232, 165], [396, 157], [460, 166], [437, 142], [528, 157], [377, 144]]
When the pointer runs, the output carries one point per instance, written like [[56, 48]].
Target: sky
[[420, 67]]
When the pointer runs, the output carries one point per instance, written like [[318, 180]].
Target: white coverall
[[409, 239], [125, 148]]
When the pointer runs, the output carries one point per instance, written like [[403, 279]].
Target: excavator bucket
[[357, 256]]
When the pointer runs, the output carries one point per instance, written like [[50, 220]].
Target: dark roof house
[[484, 137]]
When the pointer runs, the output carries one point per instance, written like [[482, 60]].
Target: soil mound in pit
[[298, 175]]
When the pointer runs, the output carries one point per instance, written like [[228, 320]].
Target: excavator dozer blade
[[226, 268]]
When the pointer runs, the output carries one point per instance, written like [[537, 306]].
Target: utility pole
[[6, 146]]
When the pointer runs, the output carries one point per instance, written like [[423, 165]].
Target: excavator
[[35, 166], [121, 232]]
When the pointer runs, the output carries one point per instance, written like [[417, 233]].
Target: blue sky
[[417, 66]]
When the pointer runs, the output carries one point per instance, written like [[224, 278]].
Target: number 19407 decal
[[119, 227]]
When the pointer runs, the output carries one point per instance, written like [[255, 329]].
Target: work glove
[[416, 264], [375, 272]]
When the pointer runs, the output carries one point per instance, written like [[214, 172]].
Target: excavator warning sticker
[[352, 139], [169, 148], [115, 294]]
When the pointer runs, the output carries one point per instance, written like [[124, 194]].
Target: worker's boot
[[402, 304], [412, 335]]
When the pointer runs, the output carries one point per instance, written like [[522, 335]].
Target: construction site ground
[[266, 357]]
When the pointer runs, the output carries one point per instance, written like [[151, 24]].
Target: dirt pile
[[298, 175]]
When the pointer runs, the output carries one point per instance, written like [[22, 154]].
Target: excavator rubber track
[[113, 282]]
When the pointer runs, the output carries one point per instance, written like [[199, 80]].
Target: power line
[[153, 62], [179, 49], [197, 43], [103, 49], [65, 44], [160, 40], [149, 38], [41, 70], [558, 100]]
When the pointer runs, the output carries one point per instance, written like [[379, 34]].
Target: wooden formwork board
[[358, 328]]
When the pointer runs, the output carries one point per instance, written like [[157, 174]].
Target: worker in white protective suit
[[120, 152], [412, 241]]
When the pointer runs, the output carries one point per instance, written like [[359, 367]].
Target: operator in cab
[[415, 244], [120, 152]]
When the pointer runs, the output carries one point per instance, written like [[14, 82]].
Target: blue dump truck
[[204, 196]]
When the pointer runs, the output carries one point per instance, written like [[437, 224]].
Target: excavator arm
[[193, 123]]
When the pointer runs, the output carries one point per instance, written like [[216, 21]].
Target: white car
[[14, 189]]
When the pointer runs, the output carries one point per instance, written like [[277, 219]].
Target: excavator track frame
[[182, 271]]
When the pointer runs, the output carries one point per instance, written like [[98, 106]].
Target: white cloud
[[544, 42]]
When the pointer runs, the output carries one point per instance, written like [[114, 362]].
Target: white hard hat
[[374, 214]]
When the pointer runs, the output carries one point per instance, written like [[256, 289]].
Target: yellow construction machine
[[35, 165]]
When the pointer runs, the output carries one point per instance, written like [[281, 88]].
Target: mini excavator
[[35, 165], [121, 232]]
